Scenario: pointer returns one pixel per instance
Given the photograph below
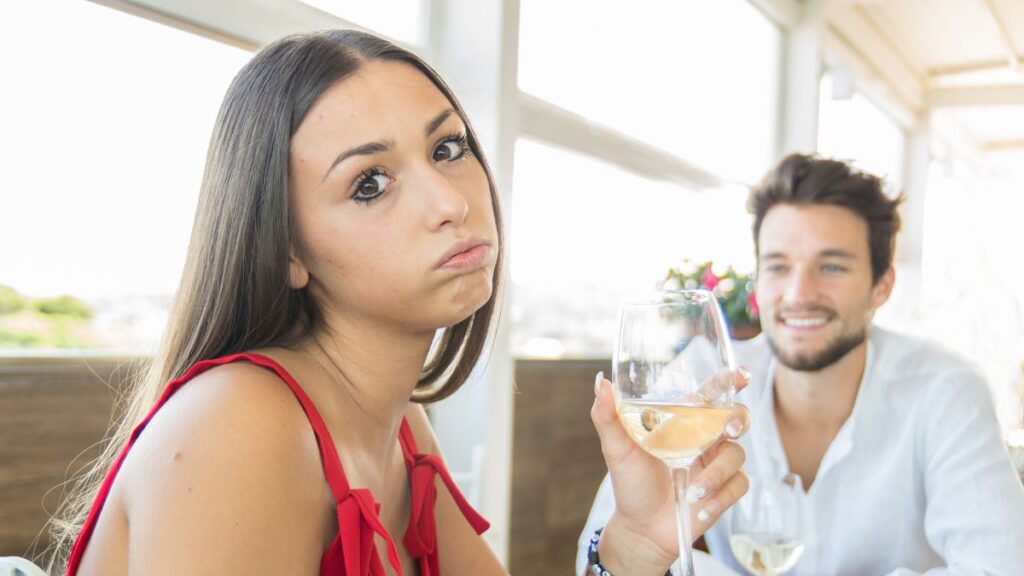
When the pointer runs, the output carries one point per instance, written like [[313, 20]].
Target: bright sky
[[106, 119]]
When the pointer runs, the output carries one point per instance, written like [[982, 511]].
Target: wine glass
[[766, 526], [674, 391]]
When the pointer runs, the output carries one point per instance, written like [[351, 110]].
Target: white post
[[905, 303], [475, 47], [801, 75]]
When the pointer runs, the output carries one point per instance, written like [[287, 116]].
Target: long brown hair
[[234, 293]]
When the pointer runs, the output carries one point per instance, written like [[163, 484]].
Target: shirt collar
[[765, 432]]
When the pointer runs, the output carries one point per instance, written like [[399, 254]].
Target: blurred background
[[624, 137]]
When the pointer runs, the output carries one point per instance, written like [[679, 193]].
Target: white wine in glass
[[672, 374], [673, 432], [766, 526]]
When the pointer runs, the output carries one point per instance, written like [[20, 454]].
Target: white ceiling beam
[[955, 70], [543, 121], [960, 96], [248, 25], [902, 100], [1003, 145], [852, 37], [1004, 33], [886, 31], [785, 13]]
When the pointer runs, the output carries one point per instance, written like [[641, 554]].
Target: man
[[896, 440]]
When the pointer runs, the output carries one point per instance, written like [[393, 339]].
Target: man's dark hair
[[801, 179]]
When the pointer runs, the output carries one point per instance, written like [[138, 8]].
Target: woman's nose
[[445, 203]]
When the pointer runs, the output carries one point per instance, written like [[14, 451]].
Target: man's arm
[[975, 503], [600, 512]]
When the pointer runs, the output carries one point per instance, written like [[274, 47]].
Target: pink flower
[[755, 310], [708, 279]]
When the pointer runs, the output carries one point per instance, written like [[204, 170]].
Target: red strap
[[421, 535]]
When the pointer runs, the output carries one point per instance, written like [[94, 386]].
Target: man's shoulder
[[905, 360]]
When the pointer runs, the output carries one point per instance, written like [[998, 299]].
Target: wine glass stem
[[681, 479]]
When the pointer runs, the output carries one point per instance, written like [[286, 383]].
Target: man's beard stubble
[[832, 353]]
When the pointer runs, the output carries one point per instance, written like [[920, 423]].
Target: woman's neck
[[371, 372]]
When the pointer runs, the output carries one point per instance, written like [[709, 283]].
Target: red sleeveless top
[[352, 553]]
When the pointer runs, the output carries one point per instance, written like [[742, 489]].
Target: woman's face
[[394, 213]]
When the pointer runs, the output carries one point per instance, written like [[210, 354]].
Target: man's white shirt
[[917, 481]]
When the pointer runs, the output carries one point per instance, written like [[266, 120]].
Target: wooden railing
[[556, 463], [54, 411]]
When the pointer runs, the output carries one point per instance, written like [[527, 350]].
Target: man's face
[[814, 285]]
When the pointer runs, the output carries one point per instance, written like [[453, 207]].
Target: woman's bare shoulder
[[228, 472]]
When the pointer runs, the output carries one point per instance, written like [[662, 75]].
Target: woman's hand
[[640, 538]]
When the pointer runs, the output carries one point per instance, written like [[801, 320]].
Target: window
[[697, 79], [106, 121], [586, 235], [401, 20], [971, 299], [855, 129]]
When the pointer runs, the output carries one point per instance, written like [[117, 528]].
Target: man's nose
[[802, 286]]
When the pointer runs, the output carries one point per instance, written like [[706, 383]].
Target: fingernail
[[709, 510], [744, 373], [733, 429], [695, 492], [597, 382]]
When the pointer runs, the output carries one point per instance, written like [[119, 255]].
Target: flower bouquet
[[733, 290]]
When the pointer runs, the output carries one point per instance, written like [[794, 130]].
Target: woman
[[343, 270]]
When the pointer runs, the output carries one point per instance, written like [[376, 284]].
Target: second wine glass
[[766, 526], [672, 374]]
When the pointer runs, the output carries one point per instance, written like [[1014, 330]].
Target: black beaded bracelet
[[594, 561]]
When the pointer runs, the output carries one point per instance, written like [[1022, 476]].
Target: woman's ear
[[298, 275]]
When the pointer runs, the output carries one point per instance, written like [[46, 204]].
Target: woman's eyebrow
[[385, 145], [361, 150], [434, 124]]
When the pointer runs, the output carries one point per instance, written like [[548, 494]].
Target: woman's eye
[[451, 149], [371, 186]]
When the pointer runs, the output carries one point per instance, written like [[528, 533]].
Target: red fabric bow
[[358, 523], [421, 536]]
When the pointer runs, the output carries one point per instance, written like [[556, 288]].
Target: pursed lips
[[465, 254]]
